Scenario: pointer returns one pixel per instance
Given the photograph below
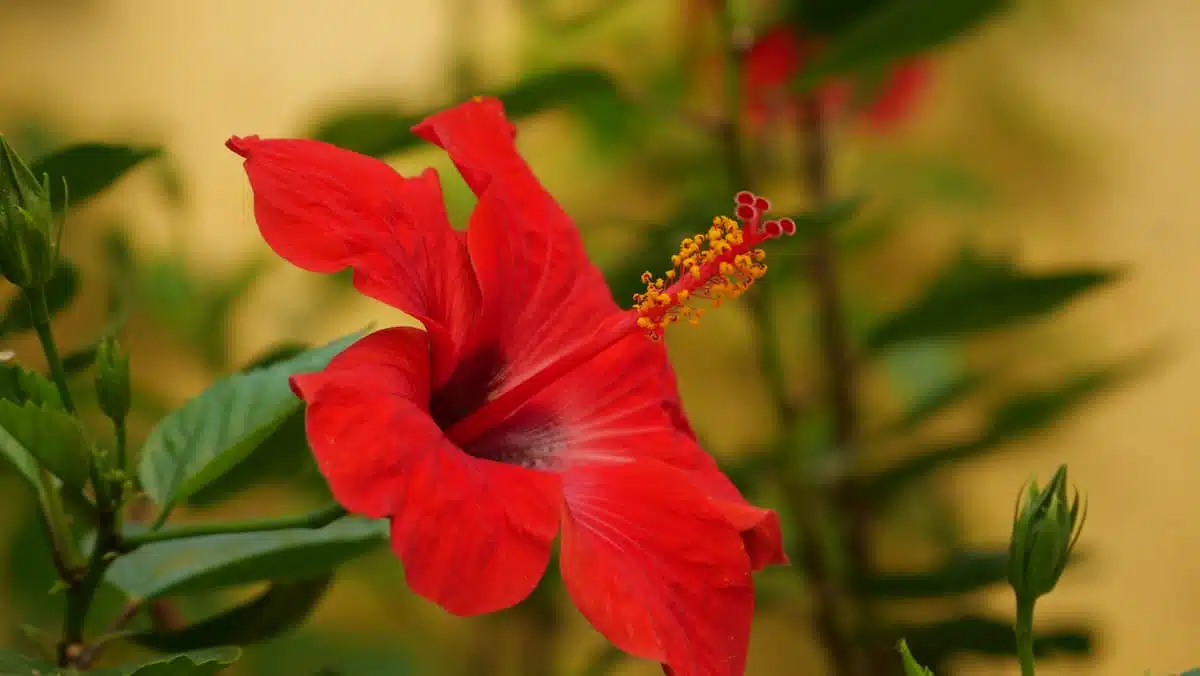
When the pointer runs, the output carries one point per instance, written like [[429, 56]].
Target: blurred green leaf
[[195, 309], [215, 561], [828, 17], [894, 30], [971, 634], [975, 295], [221, 426], [379, 130], [947, 395], [1021, 415], [52, 437], [198, 663], [88, 168], [318, 653], [60, 291], [963, 572], [282, 607]]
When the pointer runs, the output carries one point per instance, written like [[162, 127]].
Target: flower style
[[530, 404], [773, 61]]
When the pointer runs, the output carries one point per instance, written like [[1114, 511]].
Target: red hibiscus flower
[[531, 404], [775, 59]]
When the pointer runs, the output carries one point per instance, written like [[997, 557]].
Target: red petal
[[474, 535], [656, 569], [759, 527], [540, 293], [324, 208], [899, 94]]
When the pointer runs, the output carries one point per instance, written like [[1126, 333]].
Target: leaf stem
[[66, 551], [1024, 631], [40, 318], [317, 519]]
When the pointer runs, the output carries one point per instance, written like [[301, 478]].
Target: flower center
[[721, 263]]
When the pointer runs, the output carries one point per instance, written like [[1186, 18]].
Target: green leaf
[[217, 561], [55, 439], [60, 291], [939, 641], [283, 458], [88, 169], [281, 608], [197, 663], [947, 395], [976, 295], [828, 17], [895, 30], [223, 425], [380, 130], [1020, 416], [911, 666], [962, 573], [321, 653]]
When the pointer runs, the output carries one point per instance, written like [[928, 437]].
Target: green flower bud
[[1046, 527], [29, 232], [112, 380]]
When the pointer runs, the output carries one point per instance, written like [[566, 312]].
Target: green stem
[[64, 544], [40, 316], [1024, 630], [80, 596], [318, 519], [66, 552]]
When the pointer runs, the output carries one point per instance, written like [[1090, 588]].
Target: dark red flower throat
[[721, 263]]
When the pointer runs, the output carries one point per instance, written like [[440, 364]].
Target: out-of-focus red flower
[[778, 56], [530, 404]]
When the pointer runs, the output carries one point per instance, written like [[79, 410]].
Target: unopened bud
[[112, 380], [29, 232], [1046, 527]]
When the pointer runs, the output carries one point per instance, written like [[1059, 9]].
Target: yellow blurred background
[[1115, 82]]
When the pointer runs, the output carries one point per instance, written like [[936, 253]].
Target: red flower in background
[[773, 62], [531, 403]]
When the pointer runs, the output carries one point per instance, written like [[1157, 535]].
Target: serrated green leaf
[[88, 168], [911, 666], [53, 438], [60, 291], [962, 573], [196, 663], [894, 30], [977, 295], [282, 607], [283, 457], [1020, 416], [379, 130], [221, 426], [217, 561], [972, 634]]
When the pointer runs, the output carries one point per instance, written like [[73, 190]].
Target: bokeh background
[[1063, 134]]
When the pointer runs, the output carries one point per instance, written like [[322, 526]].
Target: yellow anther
[[713, 265]]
